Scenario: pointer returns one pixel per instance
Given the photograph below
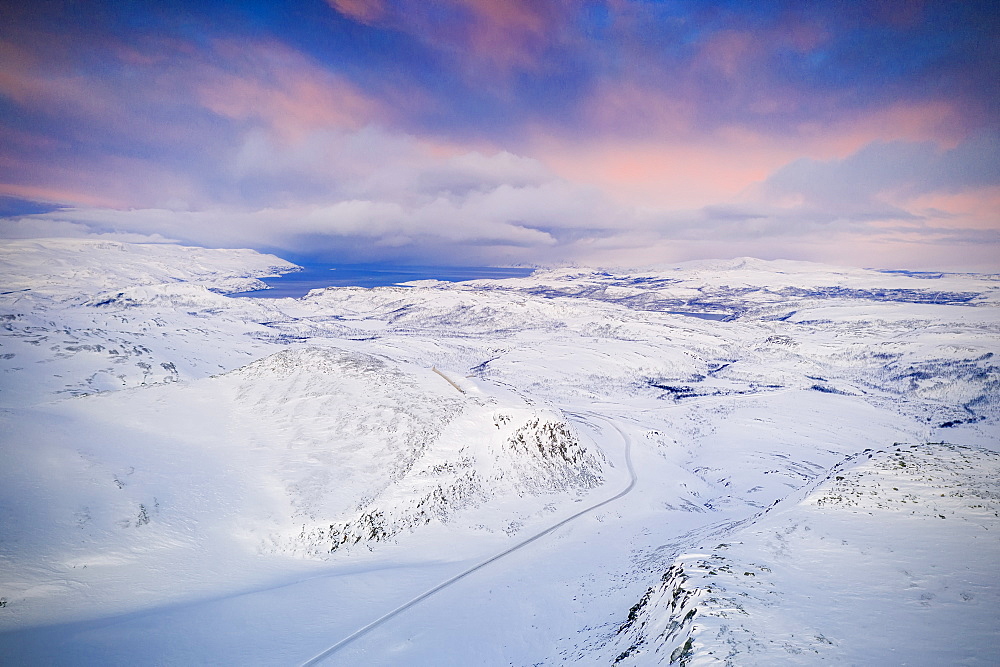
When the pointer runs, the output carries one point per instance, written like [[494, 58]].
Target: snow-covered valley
[[193, 478]]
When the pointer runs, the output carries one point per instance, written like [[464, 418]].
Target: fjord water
[[318, 276]]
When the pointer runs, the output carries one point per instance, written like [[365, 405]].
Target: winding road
[[475, 568]]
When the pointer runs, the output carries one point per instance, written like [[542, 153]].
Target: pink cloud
[[937, 120], [900, 13], [365, 11], [748, 55], [112, 181], [676, 175], [166, 101], [281, 90], [671, 160], [13, 81], [730, 52], [57, 195], [512, 33], [264, 84], [620, 106], [979, 209], [801, 37], [50, 87], [504, 35]]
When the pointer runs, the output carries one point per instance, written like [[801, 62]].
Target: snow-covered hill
[[305, 452], [71, 268], [890, 560], [179, 462]]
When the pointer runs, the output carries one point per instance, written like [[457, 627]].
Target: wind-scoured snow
[[195, 478]]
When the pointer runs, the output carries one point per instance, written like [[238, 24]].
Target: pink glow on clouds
[[264, 87], [626, 104], [901, 13], [113, 181], [281, 90], [57, 196], [513, 32], [802, 37], [679, 106], [978, 209], [265, 84], [938, 121], [674, 166], [26, 80], [730, 52], [682, 176], [506, 35], [274, 89], [365, 11], [13, 81]]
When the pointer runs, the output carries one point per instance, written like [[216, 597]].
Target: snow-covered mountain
[[180, 463]]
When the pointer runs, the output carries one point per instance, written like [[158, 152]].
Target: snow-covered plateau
[[739, 462]]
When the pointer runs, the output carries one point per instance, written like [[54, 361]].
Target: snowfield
[[734, 462]]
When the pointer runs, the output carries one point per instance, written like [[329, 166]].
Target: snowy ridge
[[70, 267], [384, 448], [912, 527]]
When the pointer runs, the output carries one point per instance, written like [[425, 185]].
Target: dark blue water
[[318, 276], [715, 317]]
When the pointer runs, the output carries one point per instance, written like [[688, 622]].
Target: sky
[[621, 133]]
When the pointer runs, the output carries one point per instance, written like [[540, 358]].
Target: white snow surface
[[192, 478]]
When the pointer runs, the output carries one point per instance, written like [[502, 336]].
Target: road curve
[[448, 582]]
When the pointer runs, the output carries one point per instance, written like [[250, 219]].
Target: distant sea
[[318, 276]]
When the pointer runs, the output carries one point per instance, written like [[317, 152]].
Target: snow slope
[[890, 560], [194, 478], [305, 452]]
